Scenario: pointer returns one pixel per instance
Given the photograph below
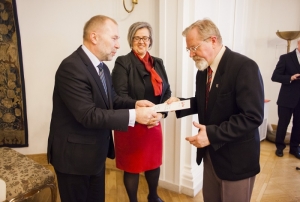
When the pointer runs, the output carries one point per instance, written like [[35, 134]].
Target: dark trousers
[[217, 190], [81, 188], [284, 117]]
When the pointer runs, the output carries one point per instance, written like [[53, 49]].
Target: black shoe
[[279, 153], [295, 152], [155, 200]]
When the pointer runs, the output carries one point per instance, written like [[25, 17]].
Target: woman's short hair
[[135, 27]]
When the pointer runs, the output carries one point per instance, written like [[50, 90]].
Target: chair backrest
[[2, 190]]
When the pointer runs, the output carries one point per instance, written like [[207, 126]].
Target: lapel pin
[[217, 85]]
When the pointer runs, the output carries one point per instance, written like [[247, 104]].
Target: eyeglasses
[[194, 49], [144, 38]]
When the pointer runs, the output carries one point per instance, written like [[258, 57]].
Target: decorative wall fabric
[[13, 121]]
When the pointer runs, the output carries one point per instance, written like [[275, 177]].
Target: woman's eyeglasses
[[144, 38]]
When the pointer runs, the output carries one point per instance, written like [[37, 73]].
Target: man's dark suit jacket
[[289, 93], [135, 70], [80, 136], [235, 111]]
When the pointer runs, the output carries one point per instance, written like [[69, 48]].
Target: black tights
[[131, 182]]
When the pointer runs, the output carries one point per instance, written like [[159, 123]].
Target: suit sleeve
[[186, 112], [81, 95], [281, 73]]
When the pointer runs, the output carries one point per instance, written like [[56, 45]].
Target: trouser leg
[[284, 117]]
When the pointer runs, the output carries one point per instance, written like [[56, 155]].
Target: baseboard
[[169, 186], [192, 192]]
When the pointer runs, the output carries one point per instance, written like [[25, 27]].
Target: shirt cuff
[[132, 116]]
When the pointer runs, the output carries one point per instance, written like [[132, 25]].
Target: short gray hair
[[205, 28], [135, 27]]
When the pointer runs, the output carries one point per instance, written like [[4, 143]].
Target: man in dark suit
[[85, 110], [229, 101], [287, 72]]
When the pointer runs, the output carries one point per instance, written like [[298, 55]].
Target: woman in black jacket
[[138, 75]]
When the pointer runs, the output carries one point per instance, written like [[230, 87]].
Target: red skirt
[[139, 149]]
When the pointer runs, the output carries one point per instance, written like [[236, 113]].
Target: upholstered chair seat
[[23, 176]]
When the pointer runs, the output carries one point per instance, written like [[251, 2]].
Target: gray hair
[[135, 27], [205, 28]]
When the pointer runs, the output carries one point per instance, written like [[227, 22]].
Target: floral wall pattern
[[13, 122]]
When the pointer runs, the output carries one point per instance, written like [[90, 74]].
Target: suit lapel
[[108, 84], [94, 73], [217, 82], [295, 60], [214, 89], [139, 66]]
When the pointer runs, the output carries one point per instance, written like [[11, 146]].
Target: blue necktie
[[102, 76]]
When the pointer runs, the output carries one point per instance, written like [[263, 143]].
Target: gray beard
[[201, 64]]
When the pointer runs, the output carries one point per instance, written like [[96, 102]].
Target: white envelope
[[185, 104]]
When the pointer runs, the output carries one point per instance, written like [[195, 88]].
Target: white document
[[185, 104]]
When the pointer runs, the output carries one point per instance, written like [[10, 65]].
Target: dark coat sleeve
[[289, 93]]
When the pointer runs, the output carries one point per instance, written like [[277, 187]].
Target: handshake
[[146, 113]]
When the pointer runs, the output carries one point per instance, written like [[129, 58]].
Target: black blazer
[[289, 93], [234, 113], [80, 136], [132, 85]]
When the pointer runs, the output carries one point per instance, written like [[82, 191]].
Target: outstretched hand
[[172, 99], [144, 115], [143, 103], [200, 140], [155, 120]]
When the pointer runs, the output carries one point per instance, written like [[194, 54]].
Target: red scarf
[[155, 78]]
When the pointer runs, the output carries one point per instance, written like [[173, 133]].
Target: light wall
[[52, 30]]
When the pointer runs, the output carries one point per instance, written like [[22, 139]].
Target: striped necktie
[[102, 76], [209, 77]]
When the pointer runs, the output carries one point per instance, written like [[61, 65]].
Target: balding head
[[100, 36], [95, 24]]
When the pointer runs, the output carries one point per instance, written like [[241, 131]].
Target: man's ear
[[94, 37]]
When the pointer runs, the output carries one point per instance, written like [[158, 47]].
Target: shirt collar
[[298, 54], [217, 59], [91, 56]]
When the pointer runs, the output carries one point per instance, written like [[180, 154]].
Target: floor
[[278, 181]]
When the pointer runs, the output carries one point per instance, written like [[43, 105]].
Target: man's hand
[[295, 77], [143, 103], [144, 115], [200, 140], [154, 121], [172, 99]]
